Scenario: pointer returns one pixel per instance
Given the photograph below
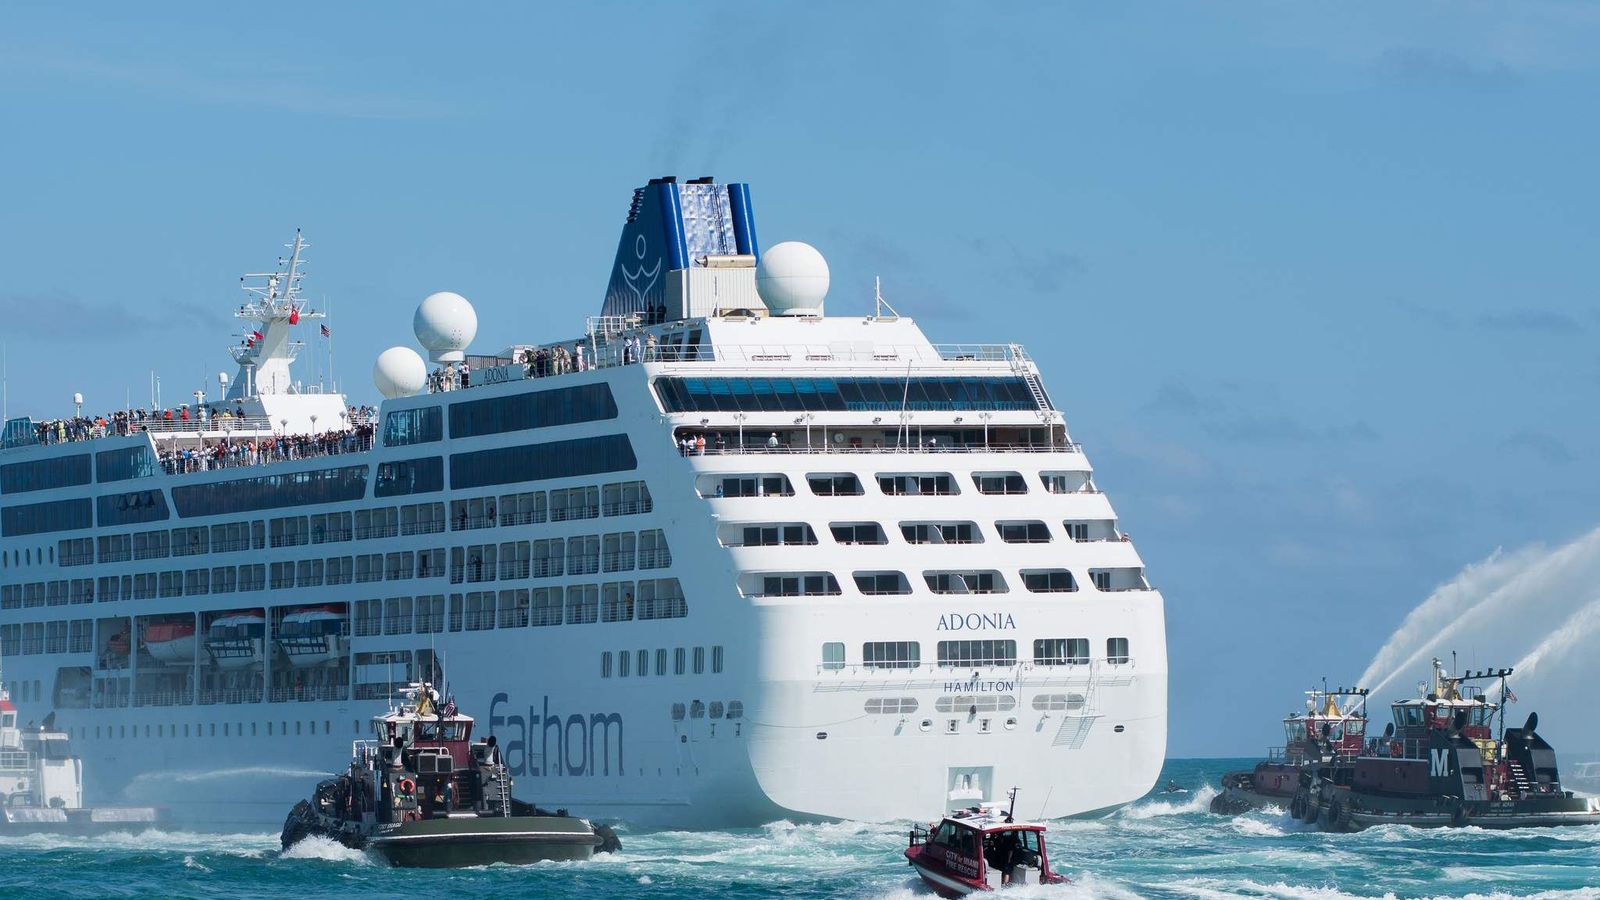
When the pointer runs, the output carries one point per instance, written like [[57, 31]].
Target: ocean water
[[1166, 845]]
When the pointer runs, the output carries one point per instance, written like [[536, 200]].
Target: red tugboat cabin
[[980, 849]]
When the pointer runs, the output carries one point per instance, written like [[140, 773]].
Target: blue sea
[[1166, 845]]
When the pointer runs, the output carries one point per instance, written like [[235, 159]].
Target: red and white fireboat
[[981, 848]]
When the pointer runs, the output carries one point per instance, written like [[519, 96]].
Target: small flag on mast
[[294, 315], [326, 332]]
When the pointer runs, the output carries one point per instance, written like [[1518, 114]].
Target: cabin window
[[642, 667], [1117, 651], [605, 664], [699, 660], [679, 659], [891, 654], [716, 660], [834, 655]]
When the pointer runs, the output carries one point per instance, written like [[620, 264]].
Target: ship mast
[[274, 308]]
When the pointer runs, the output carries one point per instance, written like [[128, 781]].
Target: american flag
[[449, 709], [326, 332], [1511, 696]]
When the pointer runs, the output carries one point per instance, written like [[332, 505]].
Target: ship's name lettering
[[980, 687], [976, 621], [545, 743]]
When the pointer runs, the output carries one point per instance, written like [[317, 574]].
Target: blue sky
[[1313, 283]]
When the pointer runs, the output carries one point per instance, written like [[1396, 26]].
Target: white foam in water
[[318, 847], [1200, 801]]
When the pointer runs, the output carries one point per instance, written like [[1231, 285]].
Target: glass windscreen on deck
[[842, 394]]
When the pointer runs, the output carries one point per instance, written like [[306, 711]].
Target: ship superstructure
[[717, 559]]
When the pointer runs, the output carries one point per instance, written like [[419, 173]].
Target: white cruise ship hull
[[865, 576]]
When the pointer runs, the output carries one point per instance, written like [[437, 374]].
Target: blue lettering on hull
[[574, 746]]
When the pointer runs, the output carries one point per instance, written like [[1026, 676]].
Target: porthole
[[822, 735], [927, 725], [1119, 729], [1011, 724]]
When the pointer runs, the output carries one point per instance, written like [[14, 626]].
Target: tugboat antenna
[[1011, 813]]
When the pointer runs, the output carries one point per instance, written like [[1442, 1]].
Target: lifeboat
[[234, 639], [313, 635], [170, 642]]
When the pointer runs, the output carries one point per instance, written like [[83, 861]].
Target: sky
[[1313, 283]]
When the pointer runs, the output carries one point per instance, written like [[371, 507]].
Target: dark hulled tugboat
[[423, 793], [1323, 735], [981, 848], [1439, 764]]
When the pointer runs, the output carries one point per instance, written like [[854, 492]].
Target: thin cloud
[[55, 315], [1534, 320], [1442, 68], [1546, 447], [299, 91]]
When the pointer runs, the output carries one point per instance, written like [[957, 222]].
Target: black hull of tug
[[1342, 810], [1241, 793], [460, 840]]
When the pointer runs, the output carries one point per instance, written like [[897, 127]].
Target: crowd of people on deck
[[210, 417], [231, 453]]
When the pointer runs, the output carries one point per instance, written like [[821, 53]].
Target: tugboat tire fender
[[608, 839], [1458, 816]]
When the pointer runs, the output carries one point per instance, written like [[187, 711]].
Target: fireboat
[[1440, 764], [981, 848], [422, 793], [1329, 733]]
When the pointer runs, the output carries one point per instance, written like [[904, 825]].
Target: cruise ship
[[717, 559]]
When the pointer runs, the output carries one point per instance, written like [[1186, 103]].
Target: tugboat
[[1323, 735], [422, 793], [41, 784], [981, 848], [1439, 764]]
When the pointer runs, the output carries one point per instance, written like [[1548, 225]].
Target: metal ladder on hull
[[1019, 365]]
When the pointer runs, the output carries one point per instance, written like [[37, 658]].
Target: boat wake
[[317, 847], [1199, 802]]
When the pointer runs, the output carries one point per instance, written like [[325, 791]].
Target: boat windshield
[[441, 731]]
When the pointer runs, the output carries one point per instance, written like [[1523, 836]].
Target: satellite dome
[[792, 279], [445, 324], [399, 372]]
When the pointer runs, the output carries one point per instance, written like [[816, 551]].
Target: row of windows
[[41, 518], [588, 554], [533, 409], [44, 474], [781, 534], [539, 462], [685, 661], [341, 485], [843, 394], [227, 729], [647, 599], [893, 484], [129, 462], [973, 581], [411, 476], [403, 427], [59, 636], [614, 499], [908, 654]]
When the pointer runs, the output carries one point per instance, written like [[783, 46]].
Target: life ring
[[407, 786]]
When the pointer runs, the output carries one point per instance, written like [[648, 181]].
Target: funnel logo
[[640, 247]]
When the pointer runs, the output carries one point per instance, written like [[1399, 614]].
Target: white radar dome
[[445, 324], [792, 279], [399, 372]]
